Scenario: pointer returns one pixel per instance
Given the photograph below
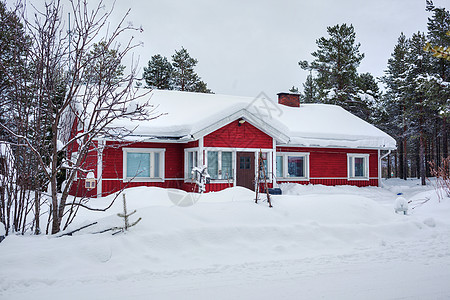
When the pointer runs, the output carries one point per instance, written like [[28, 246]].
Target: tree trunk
[[437, 157], [396, 164], [405, 160], [422, 159], [400, 160], [444, 137], [37, 211], [418, 165], [56, 226]]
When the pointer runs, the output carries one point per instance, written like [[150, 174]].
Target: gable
[[238, 135]]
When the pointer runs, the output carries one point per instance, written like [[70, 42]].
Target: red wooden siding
[[111, 186], [113, 166], [333, 182], [193, 144], [326, 163], [113, 158], [234, 136], [216, 187], [327, 166], [90, 165]]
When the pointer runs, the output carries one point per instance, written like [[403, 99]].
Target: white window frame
[[187, 151], [268, 154], [286, 176], [73, 161], [152, 152], [351, 173], [219, 164]]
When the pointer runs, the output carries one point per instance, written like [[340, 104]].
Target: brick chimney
[[289, 99]]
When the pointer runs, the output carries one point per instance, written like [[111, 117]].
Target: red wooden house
[[301, 143]]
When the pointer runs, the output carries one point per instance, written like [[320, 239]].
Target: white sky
[[248, 47]]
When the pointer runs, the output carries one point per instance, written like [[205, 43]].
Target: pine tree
[[184, 76], [396, 100], [201, 87], [103, 65], [178, 75], [367, 84], [14, 44], [310, 90], [420, 105], [439, 35], [158, 73], [336, 61], [293, 89], [369, 91]]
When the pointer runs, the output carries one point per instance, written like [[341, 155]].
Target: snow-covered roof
[[187, 115]]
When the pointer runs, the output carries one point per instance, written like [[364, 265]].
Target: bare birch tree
[[77, 78]]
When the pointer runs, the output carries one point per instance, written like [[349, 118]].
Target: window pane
[[279, 166], [195, 156], [296, 166], [244, 162], [227, 170], [190, 164], [156, 163], [265, 169], [138, 164], [359, 167], [213, 166], [350, 167]]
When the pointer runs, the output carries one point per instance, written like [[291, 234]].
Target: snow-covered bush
[[401, 205]]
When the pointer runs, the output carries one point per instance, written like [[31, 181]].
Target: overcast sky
[[248, 47]]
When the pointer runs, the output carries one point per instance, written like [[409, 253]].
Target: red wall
[[235, 136], [332, 162], [113, 166], [324, 162], [113, 158], [90, 165]]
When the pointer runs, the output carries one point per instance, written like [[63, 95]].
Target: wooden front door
[[245, 169]]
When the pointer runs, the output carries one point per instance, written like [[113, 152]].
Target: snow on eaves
[[184, 115]]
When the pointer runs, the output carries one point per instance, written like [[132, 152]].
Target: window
[[213, 164], [264, 156], [73, 161], [143, 164], [292, 165], [220, 164], [191, 161], [358, 166], [138, 164], [227, 165], [279, 166], [296, 166]]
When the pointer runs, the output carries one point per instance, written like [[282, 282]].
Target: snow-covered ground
[[317, 242]]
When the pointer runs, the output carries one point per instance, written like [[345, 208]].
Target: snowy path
[[416, 269]]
